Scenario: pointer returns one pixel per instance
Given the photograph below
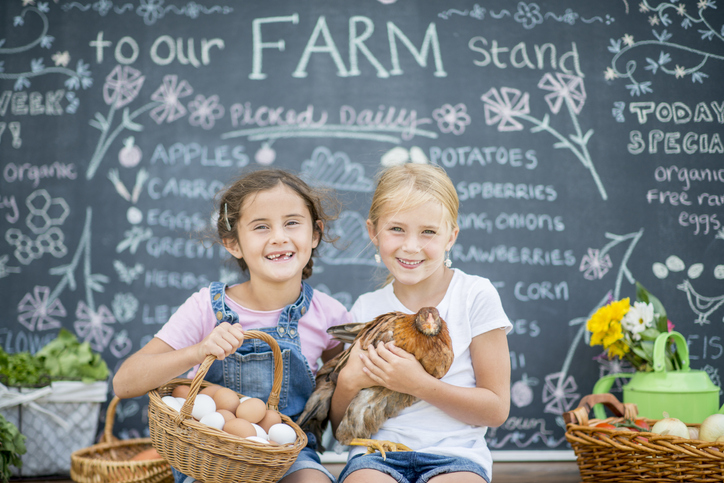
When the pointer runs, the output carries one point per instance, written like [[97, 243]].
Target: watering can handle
[[660, 346], [603, 386]]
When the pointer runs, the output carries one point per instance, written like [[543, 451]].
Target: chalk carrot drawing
[[675, 57], [507, 106]]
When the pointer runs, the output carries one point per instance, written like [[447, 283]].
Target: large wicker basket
[[212, 455], [109, 460], [607, 455]]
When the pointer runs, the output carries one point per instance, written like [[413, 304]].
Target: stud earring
[[448, 262], [378, 258]]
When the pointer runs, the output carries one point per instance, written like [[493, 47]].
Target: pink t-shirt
[[195, 319]]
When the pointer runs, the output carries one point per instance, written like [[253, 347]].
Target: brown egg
[[239, 427], [226, 398], [228, 415], [253, 410], [210, 390], [270, 419], [181, 391]]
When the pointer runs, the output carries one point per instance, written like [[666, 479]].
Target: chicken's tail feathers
[[346, 332]]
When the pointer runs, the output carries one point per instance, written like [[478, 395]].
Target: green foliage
[[67, 359], [64, 358], [12, 446], [20, 369]]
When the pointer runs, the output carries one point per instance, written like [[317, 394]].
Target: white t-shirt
[[470, 307], [195, 319]]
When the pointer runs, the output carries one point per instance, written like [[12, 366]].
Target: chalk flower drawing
[[593, 265], [91, 325], [452, 118], [170, 93], [566, 88], [685, 66], [37, 311], [528, 15], [509, 105], [205, 111], [559, 393], [122, 86], [502, 108], [61, 58]]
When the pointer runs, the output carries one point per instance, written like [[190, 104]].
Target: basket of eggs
[[212, 433], [119, 461]]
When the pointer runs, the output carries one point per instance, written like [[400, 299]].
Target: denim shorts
[[308, 458], [412, 466]]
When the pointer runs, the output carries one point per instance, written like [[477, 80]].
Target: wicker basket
[[108, 461], [607, 455], [211, 455]]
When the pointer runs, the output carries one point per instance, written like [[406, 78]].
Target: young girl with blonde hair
[[413, 224], [271, 222]]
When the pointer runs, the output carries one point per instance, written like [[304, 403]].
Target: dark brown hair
[[322, 206]]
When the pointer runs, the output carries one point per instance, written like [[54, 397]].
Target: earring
[[448, 262], [378, 258]]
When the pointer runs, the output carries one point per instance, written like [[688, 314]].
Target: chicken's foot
[[379, 445]]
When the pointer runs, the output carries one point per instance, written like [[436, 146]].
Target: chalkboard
[[584, 140]]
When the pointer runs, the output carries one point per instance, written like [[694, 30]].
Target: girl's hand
[[394, 368], [222, 341], [353, 372]]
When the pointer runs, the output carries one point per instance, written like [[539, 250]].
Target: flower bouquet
[[628, 331]]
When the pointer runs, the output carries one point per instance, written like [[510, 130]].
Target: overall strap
[[289, 318], [217, 291]]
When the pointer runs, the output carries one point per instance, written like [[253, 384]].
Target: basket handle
[[580, 414], [110, 418], [272, 403]]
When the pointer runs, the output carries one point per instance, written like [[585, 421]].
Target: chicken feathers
[[424, 335]]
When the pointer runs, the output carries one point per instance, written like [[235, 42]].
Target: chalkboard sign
[[584, 140]]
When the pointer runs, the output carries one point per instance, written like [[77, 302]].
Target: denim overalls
[[250, 370]]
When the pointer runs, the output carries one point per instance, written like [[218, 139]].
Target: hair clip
[[226, 217]]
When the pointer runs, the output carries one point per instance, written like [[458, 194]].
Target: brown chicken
[[424, 335]]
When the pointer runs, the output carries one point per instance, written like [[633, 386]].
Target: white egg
[[203, 405], [258, 439], [181, 400], [260, 431], [244, 398], [215, 420], [282, 434], [171, 402]]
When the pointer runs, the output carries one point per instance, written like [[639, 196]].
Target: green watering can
[[685, 394]]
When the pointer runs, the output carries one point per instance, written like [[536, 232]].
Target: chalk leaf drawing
[[675, 58], [353, 246], [508, 106], [335, 170]]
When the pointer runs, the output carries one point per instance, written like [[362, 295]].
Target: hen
[[424, 335]]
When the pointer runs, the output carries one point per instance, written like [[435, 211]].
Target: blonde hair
[[409, 186]]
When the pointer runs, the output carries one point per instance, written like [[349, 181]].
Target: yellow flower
[[605, 324], [620, 348]]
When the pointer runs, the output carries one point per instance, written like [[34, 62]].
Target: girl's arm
[[487, 404], [156, 363]]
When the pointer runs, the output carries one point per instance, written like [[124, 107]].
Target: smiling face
[[412, 243], [275, 235]]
